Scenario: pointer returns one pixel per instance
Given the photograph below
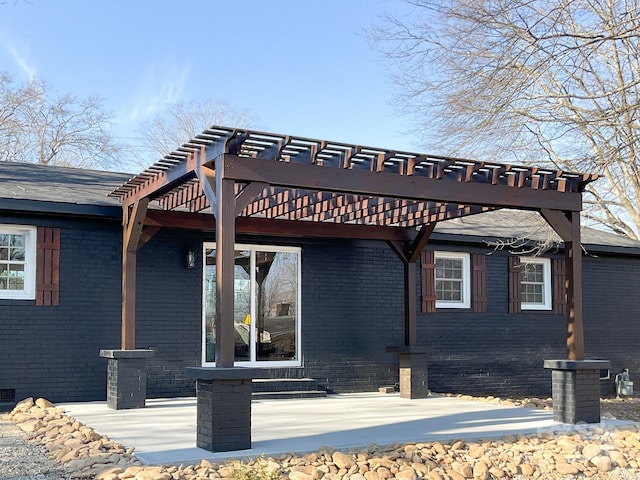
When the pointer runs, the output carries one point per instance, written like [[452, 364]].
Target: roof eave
[[59, 208]]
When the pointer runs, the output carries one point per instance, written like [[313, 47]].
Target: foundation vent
[[7, 395]]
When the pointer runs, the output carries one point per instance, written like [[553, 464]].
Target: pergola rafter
[[273, 184]]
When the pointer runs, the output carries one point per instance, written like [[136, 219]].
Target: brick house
[[324, 309]]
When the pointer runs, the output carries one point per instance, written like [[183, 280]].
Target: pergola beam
[[362, 182], [278, 228]]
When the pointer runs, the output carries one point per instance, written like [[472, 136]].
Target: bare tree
[[181, 121], [37, 126], [552, 82]]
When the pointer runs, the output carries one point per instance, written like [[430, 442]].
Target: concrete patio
[[165, 431]]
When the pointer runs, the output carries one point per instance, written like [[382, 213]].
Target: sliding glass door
[[267, 305]]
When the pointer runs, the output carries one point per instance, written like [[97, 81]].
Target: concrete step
[[284, 384], [289, 394], [287, 388]]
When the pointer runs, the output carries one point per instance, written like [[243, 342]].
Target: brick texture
[[414, 375], [169, 311], [224, 415], [126, 383], [351, 311], [576, 396], [53, 351], [496, 352]]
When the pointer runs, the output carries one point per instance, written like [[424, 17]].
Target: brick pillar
[[576, 389], [224, 407], [413, 371], [126, 378]]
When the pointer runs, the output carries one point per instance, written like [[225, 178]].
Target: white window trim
[[546, 291], [466, 280], [262, 248], [30, 246]]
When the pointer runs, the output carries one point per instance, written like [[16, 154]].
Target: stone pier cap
[[577, 364], [117, 354], [225, 373]]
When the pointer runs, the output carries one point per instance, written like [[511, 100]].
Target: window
[[452, 280], [464, 275], [535, 284], [17, 262], [266, 304]]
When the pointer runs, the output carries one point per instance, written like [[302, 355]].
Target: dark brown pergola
[[263, 183]]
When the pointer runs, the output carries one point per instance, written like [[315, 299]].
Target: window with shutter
[[447, 281], [48, 267]]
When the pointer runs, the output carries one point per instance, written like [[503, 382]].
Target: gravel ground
[[622, 409], [24, 460]]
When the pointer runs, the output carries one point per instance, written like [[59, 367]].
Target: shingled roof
[[52, 189], [517, 224]]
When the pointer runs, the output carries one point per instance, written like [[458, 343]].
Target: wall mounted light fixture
[[191, 259]]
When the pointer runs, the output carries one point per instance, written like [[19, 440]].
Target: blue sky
[[303, 67]]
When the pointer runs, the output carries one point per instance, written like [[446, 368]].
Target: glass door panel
[[266, 293], [209, 305], [242, 305], [276, 280]]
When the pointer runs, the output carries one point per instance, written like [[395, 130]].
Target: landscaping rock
[[595, 453], [343, 460]]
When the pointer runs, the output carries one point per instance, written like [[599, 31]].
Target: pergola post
[[225, 260], [127, 367], [413, 374], [575, 382], [410, 325], [223, 392], [573, 272]]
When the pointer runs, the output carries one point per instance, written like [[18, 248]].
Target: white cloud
[[18, 57], [158, 90], [28, 70]]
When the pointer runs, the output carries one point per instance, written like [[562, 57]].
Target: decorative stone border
[[79, 448], [593, 452]]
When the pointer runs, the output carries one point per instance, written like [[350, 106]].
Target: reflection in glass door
[[276, 293], [266, 304]]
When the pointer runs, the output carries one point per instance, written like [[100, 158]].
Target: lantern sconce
[[191, 259]]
